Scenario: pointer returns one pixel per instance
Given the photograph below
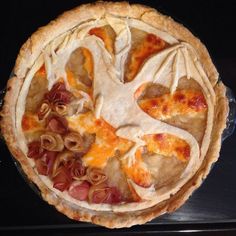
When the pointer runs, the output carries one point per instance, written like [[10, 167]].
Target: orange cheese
[[140, 90], [102, 33], [98, 155], [180, 103], [88, 62], [150, 45], [41, 72], [137, 171], [30, 122], [167, 145]]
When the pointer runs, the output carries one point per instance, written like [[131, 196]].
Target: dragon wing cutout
[[129, 112]]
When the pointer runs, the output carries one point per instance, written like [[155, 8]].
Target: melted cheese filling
[[150, 45], [103, 34], [167, 145], [30, 122], [180, 103]]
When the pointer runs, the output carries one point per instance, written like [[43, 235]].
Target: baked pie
[[115, 112]]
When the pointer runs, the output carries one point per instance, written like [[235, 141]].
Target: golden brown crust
[[30, 51]]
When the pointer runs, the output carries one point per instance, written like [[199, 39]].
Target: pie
[[115, 112]]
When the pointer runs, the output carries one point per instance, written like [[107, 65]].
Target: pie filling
[[116, 113]]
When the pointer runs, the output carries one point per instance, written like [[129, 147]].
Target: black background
[[212, 207]]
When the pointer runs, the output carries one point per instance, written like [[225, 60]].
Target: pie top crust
[[140, 87]]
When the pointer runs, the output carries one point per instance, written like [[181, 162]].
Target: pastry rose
[[44, 110], [95, 176], [74, 142], [60, 108], [44, 164], [104, 194], [65, 158], [77, 170], [58, 93], [52, 141], [79, 190], [62, 180]]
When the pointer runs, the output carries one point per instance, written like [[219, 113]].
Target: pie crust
[[31, 51]]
